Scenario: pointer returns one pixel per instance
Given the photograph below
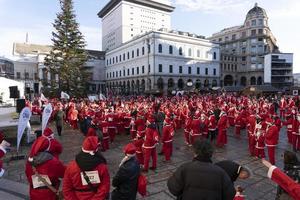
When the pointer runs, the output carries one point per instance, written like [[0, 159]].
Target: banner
[[22, 124], [43, 98], [46, 115], [64, 95]]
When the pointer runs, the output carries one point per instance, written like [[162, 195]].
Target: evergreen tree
[[67, 57]]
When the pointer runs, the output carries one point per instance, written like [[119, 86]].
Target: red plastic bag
[[142, 185]]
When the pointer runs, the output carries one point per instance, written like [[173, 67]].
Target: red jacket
[[140, 126], [138, 144], [289, 124], [284, 181], [151, 138], [222, 123], [72, 182], [212, 125], [54, 169], [272, 136], [195, 126], [296, 127], [167, 133]]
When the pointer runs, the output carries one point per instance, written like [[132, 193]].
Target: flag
[[46, 115], [64, 95], [43, 98], [22, 124]]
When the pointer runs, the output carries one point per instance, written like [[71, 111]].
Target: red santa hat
[[90, 145], [168, 120], [1, 136], [40, 145], [129, 149], [48, 133], [269, 121], [222, 113]]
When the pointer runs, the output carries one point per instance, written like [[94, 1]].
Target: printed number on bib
[[258, 126], [36, 182], [93, 176]]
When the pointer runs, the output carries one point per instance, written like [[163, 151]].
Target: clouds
[[210, 6]]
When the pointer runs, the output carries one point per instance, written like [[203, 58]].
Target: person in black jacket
[[200, 179], [126, 179]]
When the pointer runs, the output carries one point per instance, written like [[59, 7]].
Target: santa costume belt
[[138, 152], [168, 141], [141, 131], [152, 147], [259, 147], [211, 129], [195, 134], [271, 145], [104, 138], [86, 189]]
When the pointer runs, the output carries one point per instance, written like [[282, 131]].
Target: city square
[[149, 99]]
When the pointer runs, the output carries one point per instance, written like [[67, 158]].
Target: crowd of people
[[149, 121]]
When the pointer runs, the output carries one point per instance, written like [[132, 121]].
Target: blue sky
[[202, 17]]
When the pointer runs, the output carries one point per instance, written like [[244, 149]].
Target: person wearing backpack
[[87, 177], [126, 179], [292, 169]]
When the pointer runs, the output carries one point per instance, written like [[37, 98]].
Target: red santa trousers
[[167, 150], [238, 130], [112, 131], [296, 141], [251, 141], [260, 153], [222, 138], [271, 154], [290, 137], [105, 144], [133, 134], [282, 113], [74, 124], [187, 137], [149, 153]]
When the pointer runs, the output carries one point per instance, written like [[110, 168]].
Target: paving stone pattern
[[256, 187]]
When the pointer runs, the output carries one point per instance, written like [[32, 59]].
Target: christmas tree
[[67, 57]]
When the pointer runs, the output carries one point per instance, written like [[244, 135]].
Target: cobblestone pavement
[[257, 187]]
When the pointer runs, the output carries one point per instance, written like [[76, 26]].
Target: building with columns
[[150, 56], [243, 49]]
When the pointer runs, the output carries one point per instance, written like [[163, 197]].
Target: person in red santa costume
[[289, 126], [73, 116], [4, 145], [296, 133], [140, 125], [43, 158], [195, 127], [259, 142], [238, 123], [149, 146], [87, 177], [282, 106], [222, 130], [204, 125], [212, 125], [188, 128], [138, 142], [112, 125], [283, 180], [252, 120], [167, 138], [106, 138], [272, 137]]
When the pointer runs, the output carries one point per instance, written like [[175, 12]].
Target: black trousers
[[59, 129]]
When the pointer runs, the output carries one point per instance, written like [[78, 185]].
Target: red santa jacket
[[195, 127], [251, 122], [239, 120], [222, 123], [140, 126], [138, 142], [151, 138], [167, 133], [204, 126], [272, 136], [284, 181], [104, 128], [289, 124], [212, 125], [296, 127], [52, 169], [74, 184], [2, 153]]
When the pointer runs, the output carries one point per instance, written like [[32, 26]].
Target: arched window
[[215, 56], [190, 52], [198, 53], [143, 50], [180, 51], [170, 49], [159, 48], [137, 52]]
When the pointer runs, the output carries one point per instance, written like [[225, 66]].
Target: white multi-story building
[[163, 60], [278, 70], [124, 19]]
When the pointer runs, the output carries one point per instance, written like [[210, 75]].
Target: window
[[107, 62], [260, 21], [180, 51], [132, 71], [132, 54], [109, 74], [190, 52], [110, 61], [123, 56], [244, 58], [137, 70], [220, 39], [198, 53], [18, 75], [143, 50], [117, 74], [253, 22], [26, 75], [113, 74], [113, 60], [149, 49], [160, 68], [137, 52], [170, 68], [215, 71], [244, 34], [206, 71], [233, 37], [128, 72], [124, 72], [180, 69], [159, 48], [170, 49], [198, 70], [143, 69], [215, 56], [128, 55], [120, 73], [120, 58], [190, 70], [260, 31], [116, 59], [253, 32], [148, 68]]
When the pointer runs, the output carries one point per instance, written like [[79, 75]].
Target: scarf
[[87, 162]]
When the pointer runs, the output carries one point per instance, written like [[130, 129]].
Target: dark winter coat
[[126, 181], [59, 118], [201, 180]]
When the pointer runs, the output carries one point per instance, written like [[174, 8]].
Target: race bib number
[[289, 126], [36, 182], [93, 176], [258, 126]]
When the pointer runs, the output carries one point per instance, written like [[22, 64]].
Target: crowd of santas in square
[[149, 121]]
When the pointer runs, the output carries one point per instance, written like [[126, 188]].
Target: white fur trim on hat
[[270, 172], [86, 151], [130, 155], [30, 159], [2, 149], [2, 172]]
